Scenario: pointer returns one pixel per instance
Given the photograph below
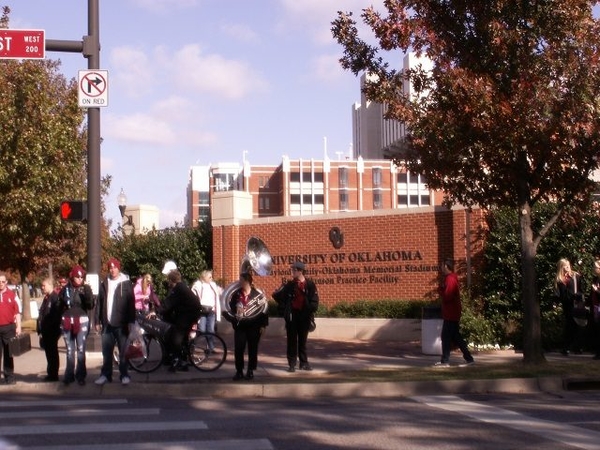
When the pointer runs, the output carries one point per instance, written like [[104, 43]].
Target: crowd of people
[[70, 310], [580, 307]]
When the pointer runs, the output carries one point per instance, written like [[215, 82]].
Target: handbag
[[205, 310], [19, 344], [135, 347], [312, 324], [580, 311]]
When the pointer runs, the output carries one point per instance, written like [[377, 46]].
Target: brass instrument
[[258, 260]]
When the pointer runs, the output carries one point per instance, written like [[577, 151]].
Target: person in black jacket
[[48, 328], [247, 330], [75, 300], [114, 314], [297, 301], [181, 308]]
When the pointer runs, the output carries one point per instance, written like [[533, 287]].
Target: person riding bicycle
[[181, 309]]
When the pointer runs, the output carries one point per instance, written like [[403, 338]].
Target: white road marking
[[81, 413], [559, 432], [123, 427], [226, 444]]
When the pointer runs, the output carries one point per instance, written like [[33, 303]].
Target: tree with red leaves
[[509, 115]]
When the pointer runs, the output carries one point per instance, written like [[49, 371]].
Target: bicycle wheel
[[207, 351], [153, 356]]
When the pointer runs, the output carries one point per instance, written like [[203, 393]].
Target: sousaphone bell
[[258, 260]]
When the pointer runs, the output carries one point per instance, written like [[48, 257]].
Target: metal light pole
[[122, 202], [90, 48]]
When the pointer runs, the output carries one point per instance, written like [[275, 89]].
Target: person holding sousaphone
[[248, 323], [297, 301]]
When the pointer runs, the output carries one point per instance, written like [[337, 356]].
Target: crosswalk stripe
[[226, 444], [81, 413], [67, 402], [101, 427], [559, 432]]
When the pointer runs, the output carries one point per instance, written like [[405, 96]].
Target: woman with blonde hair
[[209, 294], [145, 298], [569, 288]]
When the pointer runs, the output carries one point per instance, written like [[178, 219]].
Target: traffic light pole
[[90, 48]]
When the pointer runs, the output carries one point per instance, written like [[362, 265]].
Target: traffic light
[[73, 210]]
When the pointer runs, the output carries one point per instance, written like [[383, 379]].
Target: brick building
[[367, 230]]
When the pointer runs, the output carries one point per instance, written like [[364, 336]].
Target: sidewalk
[[335, 364]]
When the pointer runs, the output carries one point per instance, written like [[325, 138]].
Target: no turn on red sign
[[93, 88]]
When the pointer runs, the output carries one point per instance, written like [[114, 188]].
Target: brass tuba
[[257, 259]]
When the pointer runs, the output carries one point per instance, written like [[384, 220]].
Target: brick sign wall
[[358, 256]]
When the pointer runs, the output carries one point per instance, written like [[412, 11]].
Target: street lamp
[[122, 202]]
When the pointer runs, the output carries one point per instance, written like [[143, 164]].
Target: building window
[[203, 214], [295, 177], [343, 201], [224, 182], [377, 200], [376, 176], [343, 177], [263, 182], [264, 203], [204, 198], [412, 190], [295, 199]]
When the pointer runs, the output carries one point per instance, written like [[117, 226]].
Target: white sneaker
[[466, 364], [101, 380], [441, 364], [125, 381]]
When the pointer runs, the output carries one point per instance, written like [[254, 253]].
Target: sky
[[198, 82]]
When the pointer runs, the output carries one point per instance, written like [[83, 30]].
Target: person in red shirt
[[10, 326], [451, 312], [298, 300]]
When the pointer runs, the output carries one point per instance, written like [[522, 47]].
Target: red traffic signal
[[73, 210]]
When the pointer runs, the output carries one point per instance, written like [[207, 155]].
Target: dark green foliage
[[390, 309], [575, 238], [190, 248]]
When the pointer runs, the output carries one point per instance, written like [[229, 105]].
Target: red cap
[[77, 271], [114, 262]]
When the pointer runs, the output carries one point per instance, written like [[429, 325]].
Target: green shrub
[[388, 309]]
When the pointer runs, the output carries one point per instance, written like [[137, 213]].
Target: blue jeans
[[207, 324], [75, 344], [112, 336]]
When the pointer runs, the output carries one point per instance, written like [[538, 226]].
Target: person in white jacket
[[209, 294]]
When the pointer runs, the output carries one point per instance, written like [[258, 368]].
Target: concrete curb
[[315, 389]]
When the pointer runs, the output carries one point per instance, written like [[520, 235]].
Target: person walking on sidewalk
[[451, 313], [297, 301], [48, 328], [114, 314], [75, 300], [10, 326]]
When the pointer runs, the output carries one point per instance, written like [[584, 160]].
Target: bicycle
[[205, 351]]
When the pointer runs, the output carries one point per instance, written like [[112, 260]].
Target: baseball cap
[[169, 266]]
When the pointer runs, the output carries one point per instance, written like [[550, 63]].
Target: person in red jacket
[[10, 326], [451, 312]]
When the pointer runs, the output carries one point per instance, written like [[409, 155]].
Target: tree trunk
[[25, 300], [532, 336]]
